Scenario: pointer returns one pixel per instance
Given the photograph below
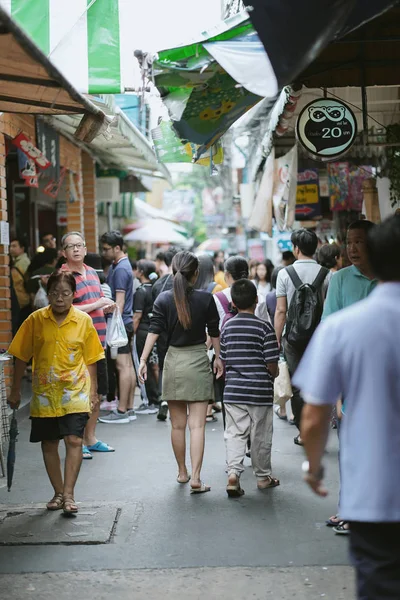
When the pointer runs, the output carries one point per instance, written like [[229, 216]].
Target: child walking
[[250, 352], [65, 348]]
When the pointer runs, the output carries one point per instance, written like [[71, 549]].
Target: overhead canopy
[[339, 42], [90, 41], [208, 85], [124, 146], [29, 83]]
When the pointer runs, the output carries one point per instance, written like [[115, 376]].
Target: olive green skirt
[[187, 375]]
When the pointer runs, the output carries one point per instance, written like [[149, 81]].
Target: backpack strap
[[224, 301], [320, 278], [291, 271]]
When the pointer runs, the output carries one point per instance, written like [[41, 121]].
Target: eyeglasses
[[78, 246], [63, 294]]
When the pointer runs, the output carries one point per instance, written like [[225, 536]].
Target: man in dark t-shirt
[[120, 280]]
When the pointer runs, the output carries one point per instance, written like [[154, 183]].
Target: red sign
[[53, 187], [304, 210], [24, 143]]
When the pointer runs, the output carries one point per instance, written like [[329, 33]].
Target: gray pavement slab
[[34, 525], [300, 583], [162, 526]]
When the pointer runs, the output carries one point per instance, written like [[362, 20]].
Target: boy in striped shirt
[[250, 352]]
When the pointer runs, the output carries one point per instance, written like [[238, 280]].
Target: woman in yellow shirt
[[65, 347]]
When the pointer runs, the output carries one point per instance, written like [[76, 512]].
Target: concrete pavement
[[144, 532]]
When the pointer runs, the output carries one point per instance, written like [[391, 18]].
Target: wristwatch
[[305, 467]]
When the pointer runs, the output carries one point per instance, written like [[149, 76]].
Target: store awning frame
[[31, 84], [123, 146]]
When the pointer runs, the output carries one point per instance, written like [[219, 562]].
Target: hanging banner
[[89, 41], [338, 177], [261, 217], [22, 142], [48, 142], [326, 128], [308, 205], [284, 191], [27, 169]]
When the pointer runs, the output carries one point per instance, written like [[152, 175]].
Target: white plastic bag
[[282, 385], [116, 333], [40, 300]]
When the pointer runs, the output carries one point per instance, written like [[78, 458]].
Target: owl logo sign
[[326, 128]]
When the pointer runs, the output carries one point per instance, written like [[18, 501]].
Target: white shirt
[[261, 310]]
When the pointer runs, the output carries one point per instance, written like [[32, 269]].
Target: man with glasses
[[89, 298], [120, 280]]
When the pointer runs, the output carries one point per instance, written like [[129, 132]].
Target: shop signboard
[[27, 169], [326, 128], [48, 142], [308, 205]]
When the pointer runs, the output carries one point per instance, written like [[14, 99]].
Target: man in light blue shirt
[[354, 283], [356, 354]]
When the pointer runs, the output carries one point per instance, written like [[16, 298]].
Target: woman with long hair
[[262, 280], [142, 312], [205, 280], [185, 315]]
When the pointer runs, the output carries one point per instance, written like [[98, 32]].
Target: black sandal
[[297, 441]]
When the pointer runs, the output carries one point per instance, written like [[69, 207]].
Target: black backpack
[[305, 310]]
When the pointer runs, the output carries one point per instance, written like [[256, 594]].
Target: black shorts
[[102, 377], [55, 428], [129, 332]]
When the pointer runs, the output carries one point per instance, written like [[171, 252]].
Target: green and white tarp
[[89, 41]]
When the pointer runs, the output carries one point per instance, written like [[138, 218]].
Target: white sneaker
[[115, 417], [147, 409], [131, 414]]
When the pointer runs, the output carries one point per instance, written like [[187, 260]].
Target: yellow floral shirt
[[61, 382]]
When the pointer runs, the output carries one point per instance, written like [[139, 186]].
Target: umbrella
[[158, 231], [212, 245], [11, 449]]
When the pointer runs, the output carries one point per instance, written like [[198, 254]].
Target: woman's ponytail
[[184, 267]]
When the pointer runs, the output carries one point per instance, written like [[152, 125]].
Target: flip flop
[[100, 447], [340, 529], [297, 441], [333, 521], [211, 419], [201, 490], [186, 480], [86, 454], [277, 411]]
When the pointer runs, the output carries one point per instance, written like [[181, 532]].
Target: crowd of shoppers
[[203, 334]]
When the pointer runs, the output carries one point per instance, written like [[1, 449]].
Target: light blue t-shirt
[[356, 353], [346, 287]]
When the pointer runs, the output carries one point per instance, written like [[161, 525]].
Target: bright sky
[[163, 24]]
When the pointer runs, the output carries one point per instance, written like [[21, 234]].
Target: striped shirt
[[247, 345], [88, 290]]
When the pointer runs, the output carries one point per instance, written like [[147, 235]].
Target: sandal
[[56, 503], [270, 482], [86, 455], [277, 411], [341, 528], [297, 441], [200, 490], [234, 490], [333, 521], [179, 480], [69, 508], [211, 419]]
